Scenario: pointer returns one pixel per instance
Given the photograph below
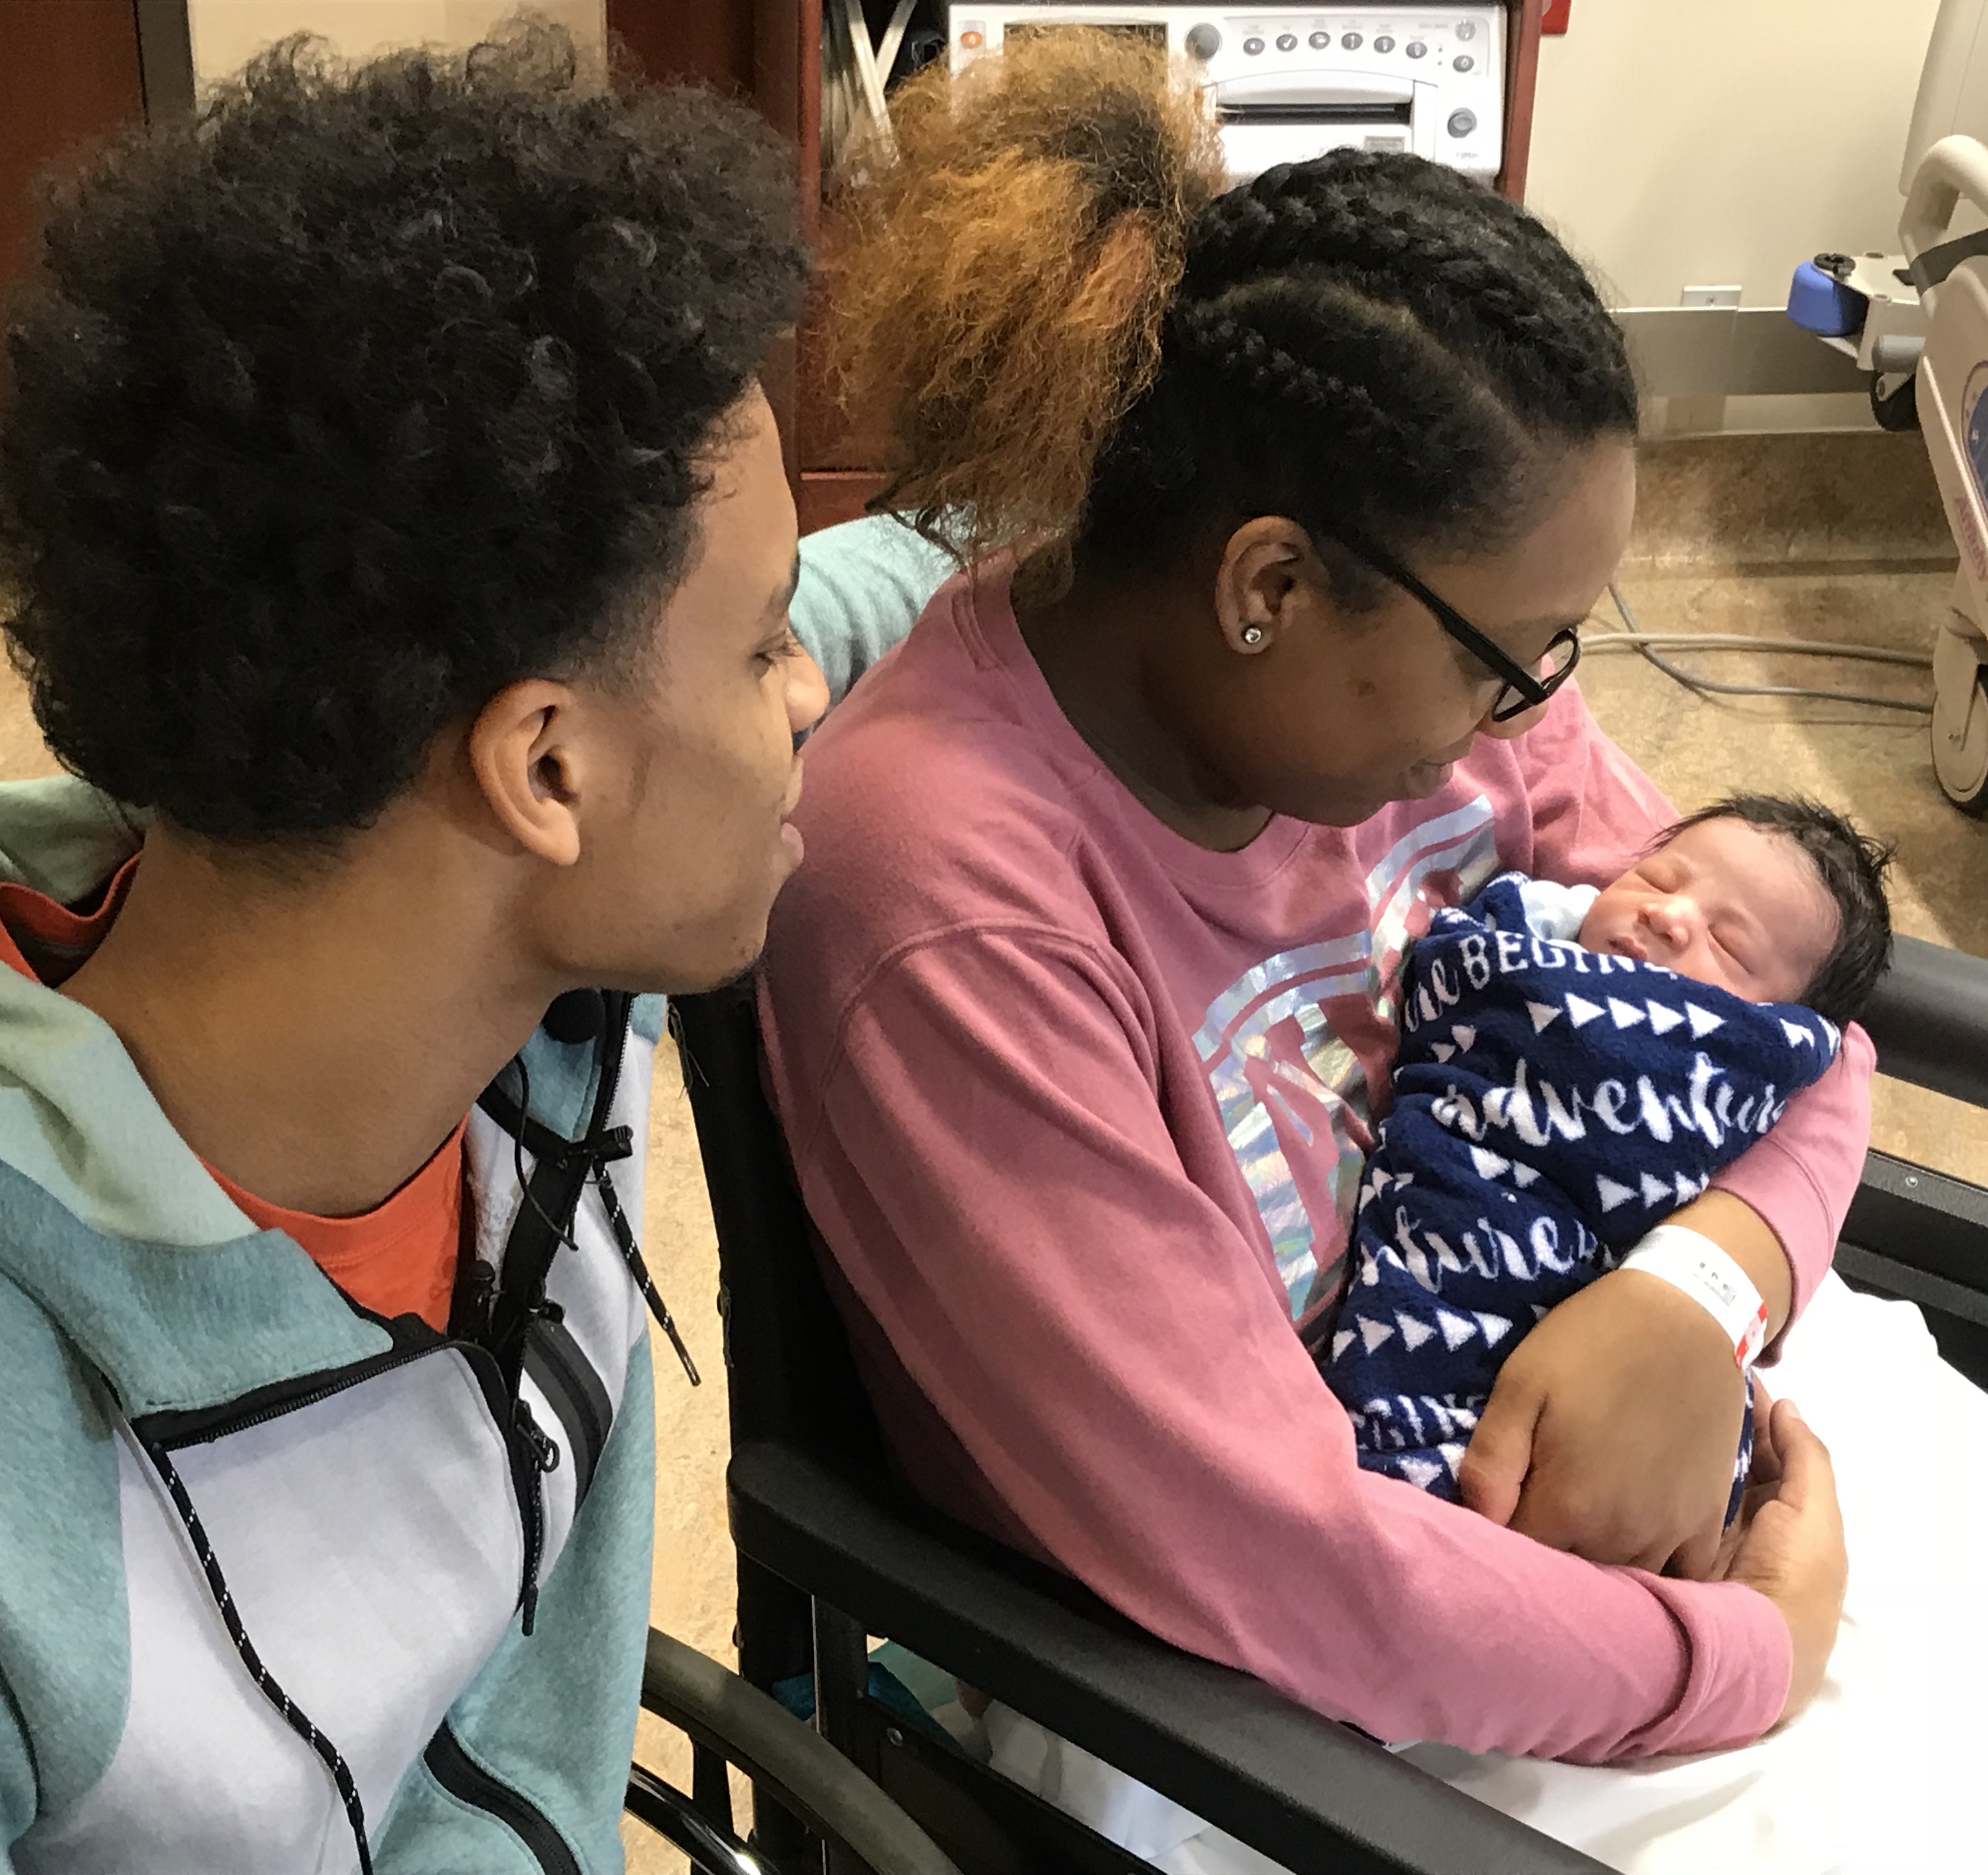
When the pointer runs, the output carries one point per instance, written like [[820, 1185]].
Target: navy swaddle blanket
[[1551, 1105]]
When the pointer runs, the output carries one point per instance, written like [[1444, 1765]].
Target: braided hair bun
[[1073, 335]]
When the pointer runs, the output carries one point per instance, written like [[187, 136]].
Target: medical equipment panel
[[1286, 84]]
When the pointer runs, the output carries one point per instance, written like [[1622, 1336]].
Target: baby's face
[[1726, 903]]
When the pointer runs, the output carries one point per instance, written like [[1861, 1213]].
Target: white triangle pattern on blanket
[[1458, 1326], [1414, 1333], [1456, 1329], [1610, 1193]]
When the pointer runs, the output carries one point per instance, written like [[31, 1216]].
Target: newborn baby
[[1576, 1065]]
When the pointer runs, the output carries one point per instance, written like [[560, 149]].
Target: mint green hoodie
[[266, 1560]]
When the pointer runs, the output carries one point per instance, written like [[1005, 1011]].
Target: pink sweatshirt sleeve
[[1801, 1177], [984, 1142], [1593, 810]]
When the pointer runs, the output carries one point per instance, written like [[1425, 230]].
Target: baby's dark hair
[[1851, 865], [362, 394], [1072, 333]]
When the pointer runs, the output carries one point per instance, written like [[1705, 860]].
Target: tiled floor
[[1835, 538]]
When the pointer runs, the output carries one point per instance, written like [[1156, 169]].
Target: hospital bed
[[1918, 321], [832, 1550]]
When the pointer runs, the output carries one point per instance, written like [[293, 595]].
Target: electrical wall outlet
[[1709, 295]]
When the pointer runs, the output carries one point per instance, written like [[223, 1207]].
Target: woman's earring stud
[[1253, 635]]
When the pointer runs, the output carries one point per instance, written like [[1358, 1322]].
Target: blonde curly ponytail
[[998, 290]]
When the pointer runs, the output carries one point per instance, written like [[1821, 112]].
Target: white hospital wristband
[[1690, 1262]]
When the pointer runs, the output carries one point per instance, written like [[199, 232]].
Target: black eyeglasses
[[1523, 689]]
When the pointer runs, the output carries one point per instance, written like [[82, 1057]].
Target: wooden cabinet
[[70, 74]]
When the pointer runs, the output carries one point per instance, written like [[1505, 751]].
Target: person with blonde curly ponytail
[[1279, 510]]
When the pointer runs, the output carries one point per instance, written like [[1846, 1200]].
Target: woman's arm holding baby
[[1611, 1429]]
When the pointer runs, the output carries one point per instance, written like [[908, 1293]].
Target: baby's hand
[[1612, 1430]]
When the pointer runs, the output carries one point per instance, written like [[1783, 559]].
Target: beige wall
[[1719, 142], [226, 33]]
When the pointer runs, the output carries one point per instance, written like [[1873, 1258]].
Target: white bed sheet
[[1881, 1774]]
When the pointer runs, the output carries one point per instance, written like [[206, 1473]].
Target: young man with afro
[[401, 558]]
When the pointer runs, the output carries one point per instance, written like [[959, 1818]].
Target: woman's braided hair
[[1366, 339]]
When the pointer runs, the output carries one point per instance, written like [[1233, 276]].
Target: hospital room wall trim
[[1680, 141]]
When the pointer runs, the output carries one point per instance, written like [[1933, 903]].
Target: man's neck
[[316, 1040]]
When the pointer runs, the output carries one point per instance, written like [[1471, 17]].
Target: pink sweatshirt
[[1079, 1108]]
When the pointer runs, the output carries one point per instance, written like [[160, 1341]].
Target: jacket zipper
[[176, 1432], [534, 1456], [554, 1360], [466, 1780]]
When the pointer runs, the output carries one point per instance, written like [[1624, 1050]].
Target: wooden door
[[769, 51], [69, 75]]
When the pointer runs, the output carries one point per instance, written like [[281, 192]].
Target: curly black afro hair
[[367, 392]]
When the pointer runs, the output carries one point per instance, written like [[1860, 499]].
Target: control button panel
[[1288, 82]]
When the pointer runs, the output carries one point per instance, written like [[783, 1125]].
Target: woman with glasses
[[1282, 510]]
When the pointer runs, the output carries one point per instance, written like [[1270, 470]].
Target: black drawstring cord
[[292, 1715], [600, 1151], [624, 1236]]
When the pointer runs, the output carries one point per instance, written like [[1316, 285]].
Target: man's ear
[[1256, 583], [522, 753]]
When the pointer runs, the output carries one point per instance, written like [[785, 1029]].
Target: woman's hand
[[1612, 1430], [1790, 1542]]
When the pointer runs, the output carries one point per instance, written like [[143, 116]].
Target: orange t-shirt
[[398, 1259]]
